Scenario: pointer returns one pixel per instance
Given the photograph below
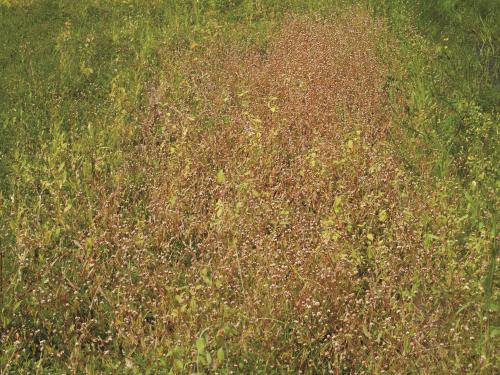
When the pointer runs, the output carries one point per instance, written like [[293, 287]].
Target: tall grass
[[452, 78]]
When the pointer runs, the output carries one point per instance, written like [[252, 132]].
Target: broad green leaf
[[220, 355], [200, 344], [178, 364]]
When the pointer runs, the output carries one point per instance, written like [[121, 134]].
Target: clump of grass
[[447, 125]]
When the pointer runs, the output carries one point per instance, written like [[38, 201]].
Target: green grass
[[75, 94], [454, 88]]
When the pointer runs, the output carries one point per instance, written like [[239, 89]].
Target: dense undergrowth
[[249, 186]]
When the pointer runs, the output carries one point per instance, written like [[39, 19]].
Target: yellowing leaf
[[382, 216], [172, 200], [129, 364], [86, 70], [221, 177], [220, 209]]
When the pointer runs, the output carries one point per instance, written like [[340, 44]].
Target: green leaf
[[208, 358], [178, 364], [200, 345], [493, 307], [220, 355], [494, 332], [337, 205], [221, 177], [206, 278]]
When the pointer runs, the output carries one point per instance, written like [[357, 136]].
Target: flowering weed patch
[[244, 209]]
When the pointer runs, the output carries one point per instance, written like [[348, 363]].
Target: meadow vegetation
[[235, 186]]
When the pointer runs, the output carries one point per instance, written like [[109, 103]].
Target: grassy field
[[236, 186]]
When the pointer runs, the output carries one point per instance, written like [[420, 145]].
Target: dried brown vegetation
[[279, 227], [280, 183]]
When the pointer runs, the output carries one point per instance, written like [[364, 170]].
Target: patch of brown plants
[[279, 182], [277, 230]]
